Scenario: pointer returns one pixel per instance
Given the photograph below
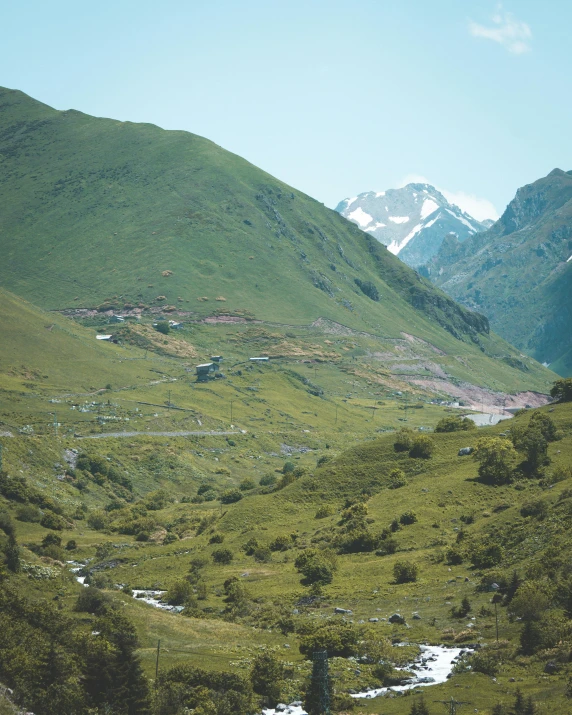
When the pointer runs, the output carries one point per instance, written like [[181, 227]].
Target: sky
[[334, 98]]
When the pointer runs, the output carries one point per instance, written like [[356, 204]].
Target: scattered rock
[[397, 618], [551, 667], [343, 611], [464, 451]]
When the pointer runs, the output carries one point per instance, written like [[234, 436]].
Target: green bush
[[163, 327], [339, 639], [422, 447], [562, 390], [397, 479], [247, 484], [29, 513], [324, 511], [316, 566], [281, 543], [53, 521], [98, 520], [179, 593], [268, 480], [222, 556], [496, 457], [455, 424], [216, 539], [403, 440], [231, 496], [405, 572], [408, 517]]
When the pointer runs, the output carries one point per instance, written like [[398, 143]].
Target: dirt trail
[[210, 433]]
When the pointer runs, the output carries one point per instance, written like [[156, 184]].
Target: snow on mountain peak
[[389, 216]]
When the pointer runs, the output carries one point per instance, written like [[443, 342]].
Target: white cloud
[[509, 32], [475, 206]]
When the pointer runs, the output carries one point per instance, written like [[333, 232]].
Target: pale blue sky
[[332, 97]]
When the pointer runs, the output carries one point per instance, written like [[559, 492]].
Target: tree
[[222, 556], [455, 424], [422, 447], [562, 390], [230, 496], [266, 676], [532, 441], [316, 566], [163, 327], [403, 440], [405, 572], [419, 707], [496, 457]]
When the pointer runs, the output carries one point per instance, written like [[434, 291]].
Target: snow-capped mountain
[[412, 221]]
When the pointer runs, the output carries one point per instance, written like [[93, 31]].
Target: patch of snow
[[395, 247], [433, 220], [376, 226], [429, 207], [379, 194], [547, 364], [570, 259], [462, 219], [293, 709], [399, 219], [360, 216], [434, 665], [349, 202]]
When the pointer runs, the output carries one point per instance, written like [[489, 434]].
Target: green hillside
[[518, 273]]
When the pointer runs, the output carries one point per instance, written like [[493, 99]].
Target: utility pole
[[157, 661], [336, 422], [231, 422], [55, 424], [452, 704], [169, 407]]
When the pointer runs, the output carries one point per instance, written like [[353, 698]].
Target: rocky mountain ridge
[[411, 221]]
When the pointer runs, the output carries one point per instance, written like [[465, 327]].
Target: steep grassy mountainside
[[519, 272], [97, 210]]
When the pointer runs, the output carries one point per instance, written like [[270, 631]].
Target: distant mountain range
[[412, 221], [519, 272]]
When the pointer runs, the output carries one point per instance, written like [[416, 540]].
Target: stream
[[432, 666]]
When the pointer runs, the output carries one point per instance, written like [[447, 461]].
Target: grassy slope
[[440, 491], [517, 272]]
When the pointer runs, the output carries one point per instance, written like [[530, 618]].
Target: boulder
[[464, 451], [343, 611], [551, 667], [397, 618]]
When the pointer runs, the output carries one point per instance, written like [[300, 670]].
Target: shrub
[[53, 521], [403, 440], [316, 566], [324, 511], [339, 639], [422, 447], [387, 546], [251, 545], [216, 539], [230, 496], [454, 556], [405, 572], [204, 488], [538, 509], [397, 479], [29, 513], [408, 517], [486, 555], [288, 467], [282, 542], [98, 520], [92, 600], [268, 480], [562, 390], [262, 554], [455, 424], [266, 675], [246, 484], [163, 327], [222, 556], [179, 593], [71, 545]]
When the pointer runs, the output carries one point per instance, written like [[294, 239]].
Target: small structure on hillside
[[216, 358], [103, 337], [206, 371], [174, 325], [259, 359], [117, 319]]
